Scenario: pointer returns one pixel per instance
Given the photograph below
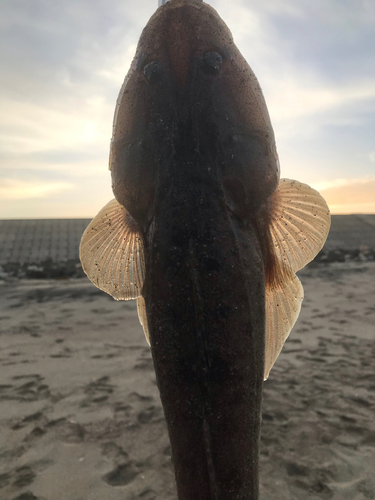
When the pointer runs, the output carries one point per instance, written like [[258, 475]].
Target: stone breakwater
[[34, 241], [49, 248]]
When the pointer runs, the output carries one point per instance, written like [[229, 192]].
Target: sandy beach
[[81, 419]]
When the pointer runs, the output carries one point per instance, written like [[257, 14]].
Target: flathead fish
[[207, 238]]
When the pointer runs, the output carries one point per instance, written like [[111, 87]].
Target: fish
[[207, 238]]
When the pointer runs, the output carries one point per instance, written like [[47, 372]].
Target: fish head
[[191, 98]]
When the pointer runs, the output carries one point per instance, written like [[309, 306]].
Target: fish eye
[[212, 61], [152, 71]]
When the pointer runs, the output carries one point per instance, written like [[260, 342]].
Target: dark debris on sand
[[47, 269]]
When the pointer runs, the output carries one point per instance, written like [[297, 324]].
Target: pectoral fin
[[112, 253], [299, 222]]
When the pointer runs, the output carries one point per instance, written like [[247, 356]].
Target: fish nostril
[[152, 71], [212, 61]]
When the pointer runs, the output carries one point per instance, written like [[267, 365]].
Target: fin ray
[[112, 252], [300, 222], [141, 308], [283, 305]]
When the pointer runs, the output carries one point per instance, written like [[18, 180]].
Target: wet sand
[[81, 419]]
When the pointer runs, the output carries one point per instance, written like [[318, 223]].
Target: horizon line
[[92, 217]]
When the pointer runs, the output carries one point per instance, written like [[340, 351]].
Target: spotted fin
[[112, 253], [283, 305], [299, 222]]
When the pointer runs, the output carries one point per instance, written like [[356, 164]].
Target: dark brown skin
[[193, 160]]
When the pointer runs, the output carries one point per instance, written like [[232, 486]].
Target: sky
[[63, 63]]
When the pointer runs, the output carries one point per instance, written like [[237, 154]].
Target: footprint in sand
[[32, 329], [68, 431], [4, 389], [140, 411], [65, 328], [147, 494], [121, 475], [143, 411], [107, 355], [23, 476], [145, 416], [310, 480], [26, 496], [98, 391], [26, 420], [135, 397], [71, 432], [121, 408], [28, 388], [114, 452], [294, 469], [144, 364], [4, 480], [101, 310], [64, 353], [124, 471]]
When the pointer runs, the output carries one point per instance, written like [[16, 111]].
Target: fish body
[[199, 234], [207, 162], [204, 294]]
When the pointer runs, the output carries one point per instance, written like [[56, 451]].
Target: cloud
[[313, 61], [302, 96], [63, 64], [14, 189], [335, 39], [349, 195], [83, 200], [29, 127]]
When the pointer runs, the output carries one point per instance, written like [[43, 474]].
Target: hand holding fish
[[207, 238]]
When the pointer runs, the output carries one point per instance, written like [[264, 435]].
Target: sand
[[81, 419]]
